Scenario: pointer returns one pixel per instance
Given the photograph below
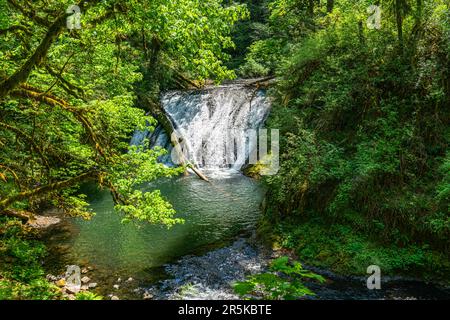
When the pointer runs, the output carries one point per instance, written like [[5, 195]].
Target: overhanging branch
[[42, 191]]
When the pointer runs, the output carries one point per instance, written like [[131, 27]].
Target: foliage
[[363, 117], [336, 246], [283, 282], [70, 99], [67, 117], [247, 31], [86, 295]]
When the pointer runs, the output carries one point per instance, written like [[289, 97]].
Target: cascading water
[[208, 120], [214, 212]]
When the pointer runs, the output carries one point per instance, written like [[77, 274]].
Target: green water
[[214, 213]]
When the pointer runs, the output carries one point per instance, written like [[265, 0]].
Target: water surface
[[213, 212]]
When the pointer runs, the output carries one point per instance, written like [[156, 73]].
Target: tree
[[67, 97]]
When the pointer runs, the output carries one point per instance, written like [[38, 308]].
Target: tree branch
[[31, 14], [15, 28], [27, 139], [21, 75], [66, 85], [39, 192]]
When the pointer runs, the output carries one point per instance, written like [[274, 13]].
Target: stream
[[201, 258]]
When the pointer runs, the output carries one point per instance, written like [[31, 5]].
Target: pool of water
[[214, 213]]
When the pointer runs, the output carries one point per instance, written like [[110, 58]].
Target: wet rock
[[209, 277]]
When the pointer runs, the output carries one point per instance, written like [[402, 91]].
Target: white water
[[214, 124]]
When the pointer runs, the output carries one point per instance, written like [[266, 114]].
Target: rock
[[92, 285], [84, 287], [84, 270], [130, 279], [147, 296], [225, 265], [61, 283], [119, 280], [85, 279], [116, 286], [74, 289], [115, 298], [72, 270], [43, 222]]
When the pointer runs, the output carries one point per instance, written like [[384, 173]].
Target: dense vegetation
[[364, 115], [365, 129]]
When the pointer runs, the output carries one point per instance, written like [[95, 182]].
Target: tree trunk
[[362, 40], [21, 75]]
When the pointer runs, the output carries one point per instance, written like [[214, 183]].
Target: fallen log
[[158, 112], [261, 82]]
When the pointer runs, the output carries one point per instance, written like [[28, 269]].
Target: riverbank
[[346, 252], [210, 274]]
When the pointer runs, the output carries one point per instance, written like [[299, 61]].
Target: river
[[201, 258], [214, 213]]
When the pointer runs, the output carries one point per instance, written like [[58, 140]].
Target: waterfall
[[214, 123]]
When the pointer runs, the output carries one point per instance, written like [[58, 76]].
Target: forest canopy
[[359, 90]]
